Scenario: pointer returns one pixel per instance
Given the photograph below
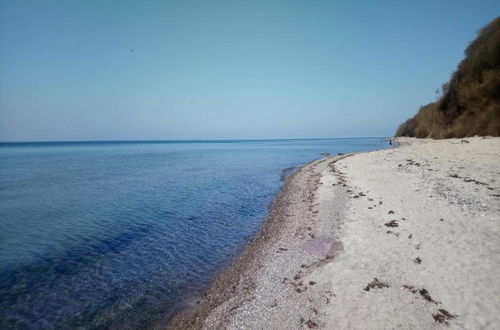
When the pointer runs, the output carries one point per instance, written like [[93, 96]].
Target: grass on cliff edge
[[470, 104]]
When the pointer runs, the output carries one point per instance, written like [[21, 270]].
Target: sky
[[138, 70]]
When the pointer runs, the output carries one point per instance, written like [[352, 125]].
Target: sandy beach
[[399, 238]]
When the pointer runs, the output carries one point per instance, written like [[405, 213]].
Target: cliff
[[470, 102]]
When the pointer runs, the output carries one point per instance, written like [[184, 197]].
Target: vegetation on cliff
[[470, 101]]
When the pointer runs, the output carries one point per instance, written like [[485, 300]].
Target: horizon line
[[178, 140]]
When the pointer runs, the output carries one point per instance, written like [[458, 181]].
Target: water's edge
[[123, 280], [191, 312]]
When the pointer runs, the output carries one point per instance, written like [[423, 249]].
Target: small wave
[[286, 172]]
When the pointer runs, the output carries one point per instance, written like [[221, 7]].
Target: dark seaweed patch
[[376, 284], [392, 223]]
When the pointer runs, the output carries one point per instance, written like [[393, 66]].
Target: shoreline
[[335, 249], [223, 286]]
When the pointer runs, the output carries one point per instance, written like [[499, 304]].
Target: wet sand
[[397, 238]]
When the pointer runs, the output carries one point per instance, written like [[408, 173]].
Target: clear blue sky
[[92, 70]]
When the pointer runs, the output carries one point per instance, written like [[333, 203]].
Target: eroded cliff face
[[470, 104]]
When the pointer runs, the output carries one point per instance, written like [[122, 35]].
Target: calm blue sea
[[113, 234]]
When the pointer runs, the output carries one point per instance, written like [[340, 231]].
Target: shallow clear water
[[112, 234]]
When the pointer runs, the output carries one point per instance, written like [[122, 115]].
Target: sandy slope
[[422, 219]]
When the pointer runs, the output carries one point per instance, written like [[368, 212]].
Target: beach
[[405, 237]]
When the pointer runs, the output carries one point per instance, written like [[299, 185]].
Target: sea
[[100, 235]]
